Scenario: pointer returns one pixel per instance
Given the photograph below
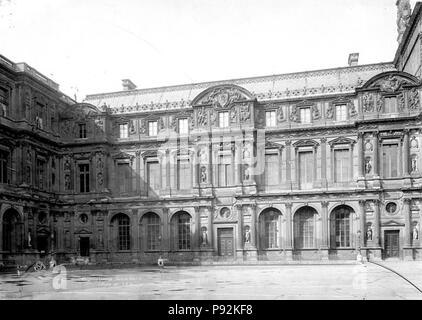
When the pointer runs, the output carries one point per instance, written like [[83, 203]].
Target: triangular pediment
[[82, 231], [305, 143], [122, 155], [272, 145], [341, 140]]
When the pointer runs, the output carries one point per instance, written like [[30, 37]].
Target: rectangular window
[[153, 232], [390, 160], [223, 119], [271, 169], [123, 170], [390, 105], [304, 231], [184, 174], [270, 119], [225, 171], [153, 176], [306, 169], [305, 115], [183, 126], [3, 166], [152, 128], [341, 113], [124, 131], [341, 165], [84, 178], [4, 97], [342, 228], [82, 130]]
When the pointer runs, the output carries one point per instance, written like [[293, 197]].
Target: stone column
[[324, 218], [239, 240], [360, 151], [253, 226], [288, 164], [407, 248], [197, 232], [288, 231], [377, 223], [376, 160], [165, 239], [362, 223], [210, 227], [135, 235], [324, 162], [406, 153]]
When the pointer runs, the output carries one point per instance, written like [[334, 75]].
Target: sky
[[88, 47]]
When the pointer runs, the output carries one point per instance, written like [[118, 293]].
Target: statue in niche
[[204, 236], [67, 185], [142, 126], [368, 146], [352, 110], [247, 172], [203, 174], [100, 164], [203, 156], [247, 234], [100, 238], [415, 232], [369, 233], [29, 239], [28, 174], [414, 101], [28, 155], [213, 118], [414, 164], [132, 127], [414, 143], [380, 103], [100, 179], [404, 11], [233, 115], [246, 151], [368, 166], [67, 165]]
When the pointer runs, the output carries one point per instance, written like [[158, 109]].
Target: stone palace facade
[[313, 165]]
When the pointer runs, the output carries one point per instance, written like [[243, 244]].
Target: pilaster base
[[408, 253], [361, 183], [376, 184], [324, 254], [374, 253], [250, 254], [205, 191], [289, 254], [407, 182]]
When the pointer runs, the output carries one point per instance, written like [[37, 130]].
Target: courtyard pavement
[[272, 282]]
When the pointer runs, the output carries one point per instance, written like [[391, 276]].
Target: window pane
[[270, 118], [183, 231], [304, 230], [152, 128], [184, 172], [342, 228], [123, 170], [341, 113], [271, 169], [306, 171], [390, 105], [153, 231], [154, 176], [3, 166], [341, 165], [305, 115], [224, 119], [124, 232], [390, 160], [183, 126]]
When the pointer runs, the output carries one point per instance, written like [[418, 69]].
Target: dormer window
[[124, 131], [223, 119], [152, 128], [82, 130], [305, 115], [390, 104], [270, 119], [183, 126], [341, 112]]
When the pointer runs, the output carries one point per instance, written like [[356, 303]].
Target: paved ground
[[220, 282]]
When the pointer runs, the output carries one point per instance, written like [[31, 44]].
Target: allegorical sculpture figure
[[404, 12]]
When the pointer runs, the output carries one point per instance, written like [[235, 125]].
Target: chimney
[[128, 85], [353, 59]]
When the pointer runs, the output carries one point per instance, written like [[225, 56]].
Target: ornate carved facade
[[250, 169]]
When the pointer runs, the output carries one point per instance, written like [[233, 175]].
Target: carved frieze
[[414, 100]]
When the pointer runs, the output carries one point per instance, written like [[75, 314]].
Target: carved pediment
[[272, 145], [82, 231], [222, 96], [149, 154], [305, 143], [341, 140], [122, 155], [392, 223], [391, 82]]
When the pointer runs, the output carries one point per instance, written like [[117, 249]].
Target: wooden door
[[84, 246], [391, 244], [225, 242]]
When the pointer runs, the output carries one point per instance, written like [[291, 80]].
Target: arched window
[[151, 222], [304, 227], [11, 231], [121, 223], [181, 228], [270, 229], [341, 227]]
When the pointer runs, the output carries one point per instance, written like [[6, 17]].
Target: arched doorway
[[305, 228], [181, 230], [121, 232], [12, 231], [341, 227], [270, 228]]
